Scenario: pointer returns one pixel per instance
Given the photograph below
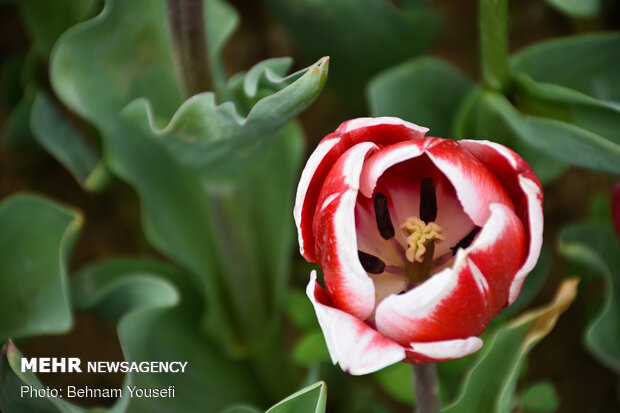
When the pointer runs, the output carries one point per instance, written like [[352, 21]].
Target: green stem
[[494, 42], [426, 388], [187, 26]]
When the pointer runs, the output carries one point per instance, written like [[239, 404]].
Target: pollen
[[419, 235]]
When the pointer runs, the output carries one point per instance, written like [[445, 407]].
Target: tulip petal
[[308, 191], [438, 351], [498, 252], [381, 131], [398, 170], [476, 187], [526, 192], [353, 344], [348, 284], [451, 304], [416, 131]]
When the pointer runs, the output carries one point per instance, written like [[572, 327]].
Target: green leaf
[[425, 91], [311, 399], [138, 56], [45, 21], [217, 140], [213, 185], [562, 141], [310, 349], [361, 36], [477, 118], [10, 391], [587, 63], [541, 397], [63, 141], [115, 287], [155, 327], [490, 384], [595, 245], [494, 42], [35, 242], [577, 8], [567, 105]]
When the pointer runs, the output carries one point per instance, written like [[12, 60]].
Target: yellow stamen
[[419, 236]]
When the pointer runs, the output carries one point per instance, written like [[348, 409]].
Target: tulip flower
[[421, 240]]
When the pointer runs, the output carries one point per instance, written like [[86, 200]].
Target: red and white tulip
[[421, 240]]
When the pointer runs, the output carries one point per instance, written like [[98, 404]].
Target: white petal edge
[[386, 158], [448, 349], [384, 120], [345, 232], [313, 163], [535, 215], [347, 339], [420, 301]]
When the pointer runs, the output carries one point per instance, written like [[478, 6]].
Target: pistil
[[421, 239]]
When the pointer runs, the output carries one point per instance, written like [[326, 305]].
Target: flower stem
[[494, 42], [426, 388], [189, 39]]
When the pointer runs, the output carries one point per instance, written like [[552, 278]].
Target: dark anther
[[371, 263], [428, 201], [466, 241], [382, 214]]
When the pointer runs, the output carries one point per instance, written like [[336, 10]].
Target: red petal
[[438, 351], [476, 187], [381, 131], [353, 344], [451, 304], [526, 193], [499, 252], [347, 282]]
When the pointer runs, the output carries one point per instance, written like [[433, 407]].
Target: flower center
[[421, 239], [419, 236]]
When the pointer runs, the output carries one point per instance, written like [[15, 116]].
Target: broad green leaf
[[63, 141], [152, 328], [115, 287], [361, 36], [117, 58], [228, 232], [425, 91], [587, 63], [494, 42], [45, 20], [532, 285], [11, 380], [490, 384], [36, 238], [557, 139], [541, 397], [211, 381], [558, 102], [308, 400], [577, 8], [595, 245], [478, 119], [216, 139]]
